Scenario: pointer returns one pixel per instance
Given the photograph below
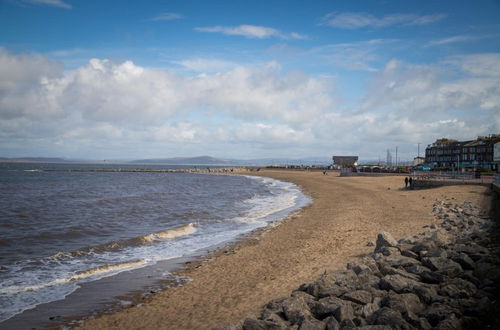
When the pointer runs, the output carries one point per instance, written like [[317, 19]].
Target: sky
[[245, 79]]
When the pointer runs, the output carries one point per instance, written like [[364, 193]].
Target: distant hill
[[201, 160], [207, 160]]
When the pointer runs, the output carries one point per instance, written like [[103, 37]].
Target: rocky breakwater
[[446, 277]]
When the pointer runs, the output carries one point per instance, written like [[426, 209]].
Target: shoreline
[[134, 287], [345, 214]]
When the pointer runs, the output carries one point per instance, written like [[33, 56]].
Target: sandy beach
[[334, 229]]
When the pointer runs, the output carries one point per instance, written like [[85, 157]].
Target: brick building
[[483, 152]]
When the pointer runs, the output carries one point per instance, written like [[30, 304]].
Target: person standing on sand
[[411, 182], [406, 182]]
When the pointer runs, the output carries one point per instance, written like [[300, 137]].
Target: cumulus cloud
[[116, 109], [251, 31], [430, 101], [108, 101], [366, 20]]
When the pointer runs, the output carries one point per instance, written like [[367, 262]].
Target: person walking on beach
[[406, 182], [410, 182]]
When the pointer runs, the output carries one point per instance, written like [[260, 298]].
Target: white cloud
[[366, 20], [111, 109], [353, 56], [251, 31], [108, 101], [451, 40], [487, 64], [54, 3], [167, 17]]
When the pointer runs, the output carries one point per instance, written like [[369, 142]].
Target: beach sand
[[236, 281]]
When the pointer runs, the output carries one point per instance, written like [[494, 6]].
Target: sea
[[63, 226]]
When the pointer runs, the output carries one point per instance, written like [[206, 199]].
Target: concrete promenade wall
[[438, 183], [372, 174], [496, 187]]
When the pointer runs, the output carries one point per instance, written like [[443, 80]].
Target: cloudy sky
[[245, 79]]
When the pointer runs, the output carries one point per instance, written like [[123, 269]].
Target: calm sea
[[61, 228]]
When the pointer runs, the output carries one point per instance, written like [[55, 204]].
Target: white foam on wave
[[172, 233], [284, 196], [24, 297]]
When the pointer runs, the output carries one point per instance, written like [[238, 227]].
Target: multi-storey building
[[483, 152], [345, 161]]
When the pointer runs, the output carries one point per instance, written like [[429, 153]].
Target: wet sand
[[235, 282]]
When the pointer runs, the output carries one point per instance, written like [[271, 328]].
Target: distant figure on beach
[[406, 182], [325, 173], [411, 182]]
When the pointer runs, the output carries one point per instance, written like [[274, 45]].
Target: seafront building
[[483, 152], [345, 161]]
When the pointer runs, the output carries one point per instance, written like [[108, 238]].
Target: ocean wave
[[94, 271], [147, 239]]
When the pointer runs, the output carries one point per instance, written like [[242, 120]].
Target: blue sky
[[245, 79]]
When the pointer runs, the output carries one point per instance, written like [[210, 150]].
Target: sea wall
[[446, 277]]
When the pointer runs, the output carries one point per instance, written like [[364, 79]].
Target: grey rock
[[358, 268], [332, 284], [436, 252], [453, 291], [347, 324], [406, 302], [409, 254], [368, 281], [367, 310], [331, 323], [388, 270], [312, 324], [426, 293], [390, 317], [468, 276], [395, 261], [423, 324], [326, 306], [437, 313], [295, 310], [443, 265], [361, 297], [433, 277], [416, 269], [464, 260], [255, 324], [389, 251], [449, 323], [345, 312], [486, 270], [301, 294], [397, 283], [465, 285], [384, 239]]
